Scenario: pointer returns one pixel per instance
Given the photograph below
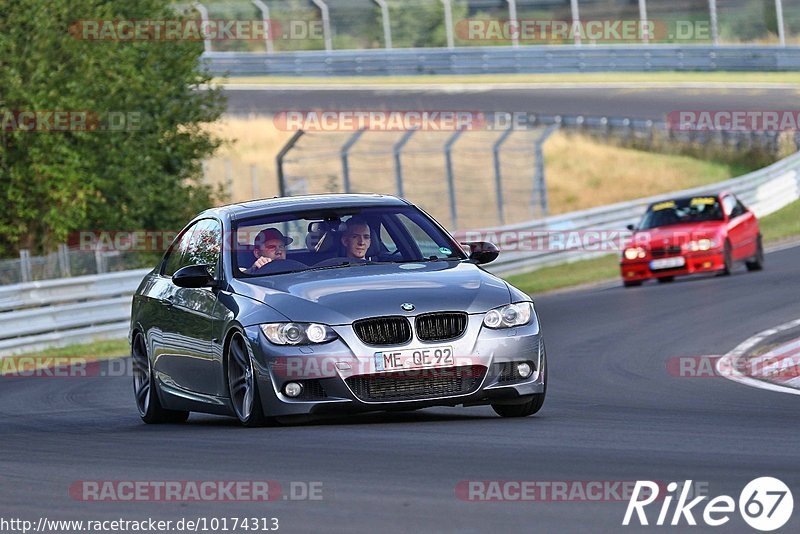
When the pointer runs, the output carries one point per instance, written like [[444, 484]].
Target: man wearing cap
[[268, 246]]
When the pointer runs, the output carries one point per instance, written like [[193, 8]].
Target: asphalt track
[[603, 100], [613, 413]]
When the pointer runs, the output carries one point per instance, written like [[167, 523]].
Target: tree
[[140, 173]]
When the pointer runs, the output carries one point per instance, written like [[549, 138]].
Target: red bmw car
[[692, 235]]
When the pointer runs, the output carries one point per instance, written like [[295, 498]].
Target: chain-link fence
[[364, 24]]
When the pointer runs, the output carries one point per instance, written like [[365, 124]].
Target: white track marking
[[727, 365]]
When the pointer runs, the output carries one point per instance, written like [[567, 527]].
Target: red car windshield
[[682, 211]]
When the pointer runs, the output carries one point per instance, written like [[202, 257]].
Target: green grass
[[571, 274], [782, 224], [544, 78]]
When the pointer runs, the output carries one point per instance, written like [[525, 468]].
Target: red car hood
[[678, 234]]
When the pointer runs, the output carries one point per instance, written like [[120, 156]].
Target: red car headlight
[[635, 253], [700, 245]]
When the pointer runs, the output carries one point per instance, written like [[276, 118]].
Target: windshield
[[338, 238], [681, 211]]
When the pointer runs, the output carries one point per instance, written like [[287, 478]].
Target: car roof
[[276, 205]]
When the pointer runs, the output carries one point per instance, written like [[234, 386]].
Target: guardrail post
[[344, 154], [255, 190], [63, 260], [540, 185], [448, 23], [451, 182], [576, 20], [279, 160], [498, 178], [25, 265], [204, 17], [398, 165], [512, 18], [643, 21], [779, 16], [387, 27], [712, 15], [264, 8], [326, 23]]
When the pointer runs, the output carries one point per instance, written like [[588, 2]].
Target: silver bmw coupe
[[290, 308]]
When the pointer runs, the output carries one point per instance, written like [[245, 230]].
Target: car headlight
[[635, 253], [298, 333], [700, 245], [510, 315]]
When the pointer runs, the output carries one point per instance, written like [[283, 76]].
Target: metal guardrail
[[41, 314], [507, 59], [37, 315]]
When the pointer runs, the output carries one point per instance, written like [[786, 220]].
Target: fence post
[[25, 265], [98, 260], [540, 187], [576, 20], [63, 260], [448, 23], [279, 160], [643, 21], [512, 19], [229, 178], [498, 179], [387, 27], [204, 17], [344, 153], [712, 15], [264, 8], [779, 16], [255, 190], [451, 183], [398, 165], [326, 23]]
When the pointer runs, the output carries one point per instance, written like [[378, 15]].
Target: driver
[[268, 246], [357, 238]]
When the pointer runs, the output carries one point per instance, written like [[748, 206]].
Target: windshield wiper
[[339, 265]]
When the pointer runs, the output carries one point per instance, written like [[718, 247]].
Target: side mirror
[[631, 227], [482, 252], [193, 276]]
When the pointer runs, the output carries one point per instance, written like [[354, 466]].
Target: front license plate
[[667, 263], [395, 360]]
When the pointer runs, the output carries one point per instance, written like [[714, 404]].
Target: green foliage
[[143, 176]]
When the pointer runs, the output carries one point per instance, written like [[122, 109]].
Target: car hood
[[678, 234], [346, 294]]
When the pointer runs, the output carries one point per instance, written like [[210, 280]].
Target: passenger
[[268, 246], [357, 238]]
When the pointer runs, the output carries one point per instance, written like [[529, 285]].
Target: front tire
[[242, 384], [757, 262], [635, 283], [526, 408], [145, 388]]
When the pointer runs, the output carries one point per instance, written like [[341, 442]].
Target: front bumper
[[697, 262], [328, 371]]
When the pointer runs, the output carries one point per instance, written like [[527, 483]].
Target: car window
[[728, 204], [682, 211], [199, 244], [738, 208], [399, 234]]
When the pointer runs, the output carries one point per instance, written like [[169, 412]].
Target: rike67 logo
[[765, 504]]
